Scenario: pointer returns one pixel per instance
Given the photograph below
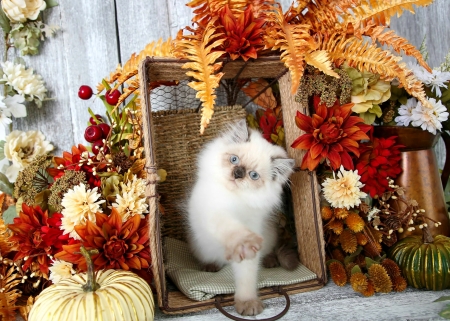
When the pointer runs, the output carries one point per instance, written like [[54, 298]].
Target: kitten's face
[[249, 162]]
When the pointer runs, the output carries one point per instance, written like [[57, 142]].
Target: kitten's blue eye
[[234, 160], [253, 175]]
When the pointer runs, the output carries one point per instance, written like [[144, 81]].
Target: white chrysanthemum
[[21, 148], [421, 73], [24, 81], [405, 112], [79, 205], [429, 118], [439, 79], [21, 10], [60, 270], [131, 200], [345, 190]]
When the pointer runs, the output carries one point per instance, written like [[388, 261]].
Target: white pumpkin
[[122, 295]]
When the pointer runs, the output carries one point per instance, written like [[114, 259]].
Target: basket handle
[[276, 317]]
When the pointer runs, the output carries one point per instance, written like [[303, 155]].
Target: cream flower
[[21, 10], [131, 200], [344, 191], [24, 81], [429, 118], [406, 112], [436, 79], [21, 148], [79, 205], [60, 270]]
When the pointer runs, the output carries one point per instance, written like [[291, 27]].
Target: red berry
[[97, 145], [85, 92], [105, 129], [92, 120], [112, 97], [93, 133]]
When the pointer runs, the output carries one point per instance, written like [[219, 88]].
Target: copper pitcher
[[420, 176]]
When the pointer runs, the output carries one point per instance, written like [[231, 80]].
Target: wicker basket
[[171, 135]]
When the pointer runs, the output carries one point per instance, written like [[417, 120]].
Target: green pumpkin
[[425, 264]]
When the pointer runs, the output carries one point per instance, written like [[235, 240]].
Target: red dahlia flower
[[331, 133], [120, 245], [38, 236], [379, 160], [242, 33]]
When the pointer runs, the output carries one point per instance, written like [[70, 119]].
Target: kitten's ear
[[239, 132], [282, 168]]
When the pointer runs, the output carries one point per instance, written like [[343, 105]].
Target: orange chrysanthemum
[[381, 280], [391, 268], [327, 213], [120, 245], [370, 290], [330, 134], [358, 281], [338, 274], [355, 222], [361, 239], [242, 33], [399, 283], [348, 241], [341, 213], [336, 226]]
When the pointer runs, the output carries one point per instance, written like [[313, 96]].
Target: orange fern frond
[[399, 44], [321, 61], [206, 10], [203, 67], [294, 41], [380, 12], [368, 57]]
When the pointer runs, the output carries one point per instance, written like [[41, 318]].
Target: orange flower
[[331, 134], [121, 246], [338, 273], [355, 222], [242, 33]]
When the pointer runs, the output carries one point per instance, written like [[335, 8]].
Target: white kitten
[[239, 185]]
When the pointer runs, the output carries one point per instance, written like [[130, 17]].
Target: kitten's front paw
[[250, 307], [246, 247]]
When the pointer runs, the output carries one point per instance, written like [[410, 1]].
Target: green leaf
[[442, 298], [4, 21], [51, 4], [9, 215], [105, 84], [445, 313], [5, 185], [2, 149], [356, 269], [350, 258], [369, 262], [126, 150]]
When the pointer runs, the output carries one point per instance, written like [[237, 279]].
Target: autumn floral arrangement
[[94, 195]]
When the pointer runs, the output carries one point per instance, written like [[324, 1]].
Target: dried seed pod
[[358, 281], [370, 290], [348, 268], [341, 213], [355, 222], [348, 241], [337, 226], [381, 280], [327, 213], [399, 283], [361, 239], [391, 267], [372, 249], [337, 254], [334, 240], [337, 272]]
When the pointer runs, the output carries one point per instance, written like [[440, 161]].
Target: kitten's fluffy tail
[[287, 257]]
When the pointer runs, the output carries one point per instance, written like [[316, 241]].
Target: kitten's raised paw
[[250, 307], [245, 247], [211, 267]]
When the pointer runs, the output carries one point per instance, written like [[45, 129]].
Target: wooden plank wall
[[96, 35]]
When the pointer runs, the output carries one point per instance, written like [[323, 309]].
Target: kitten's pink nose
[[239, 172]]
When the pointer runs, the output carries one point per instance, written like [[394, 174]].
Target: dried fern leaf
[[206, 10], [6, 246], [380, 12], [321, 61], [203, 67], [294, 41], [368, 57], [390, 38], [9, 294]]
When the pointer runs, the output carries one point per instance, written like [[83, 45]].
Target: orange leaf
[[266, 99]]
